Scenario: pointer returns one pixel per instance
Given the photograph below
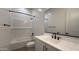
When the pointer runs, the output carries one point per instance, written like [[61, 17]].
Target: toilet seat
[[30, 44]]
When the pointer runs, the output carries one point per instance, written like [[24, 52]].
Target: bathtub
[[19, 42]]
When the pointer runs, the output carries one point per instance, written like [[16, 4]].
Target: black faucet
[[58, 38], [54, 35]]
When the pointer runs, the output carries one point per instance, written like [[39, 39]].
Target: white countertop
[[65, 43]]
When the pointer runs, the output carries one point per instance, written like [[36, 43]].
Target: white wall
[[4, 31], [38, 22], [4, 17]]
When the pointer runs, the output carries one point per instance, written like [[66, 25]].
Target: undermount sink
[[48, 37], [55, 41]]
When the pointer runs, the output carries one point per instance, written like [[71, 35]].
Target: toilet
[[30, 46]]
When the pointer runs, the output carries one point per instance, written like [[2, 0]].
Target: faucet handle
[[52, 36], [58, 38]]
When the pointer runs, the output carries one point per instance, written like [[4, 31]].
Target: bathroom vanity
[[46, 43]]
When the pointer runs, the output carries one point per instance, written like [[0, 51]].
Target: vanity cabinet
[[42, 46], [39, 45], [50, 48]]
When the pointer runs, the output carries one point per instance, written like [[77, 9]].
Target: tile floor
[[25, 49]]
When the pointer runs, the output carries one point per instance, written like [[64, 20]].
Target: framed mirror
[[62, 20]]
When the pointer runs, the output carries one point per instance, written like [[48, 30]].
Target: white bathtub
[[19, 42]]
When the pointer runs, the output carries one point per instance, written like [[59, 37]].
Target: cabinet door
[[49, 48], [39, 45]]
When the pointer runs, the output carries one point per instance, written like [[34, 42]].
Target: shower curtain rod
[[21, 13]]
